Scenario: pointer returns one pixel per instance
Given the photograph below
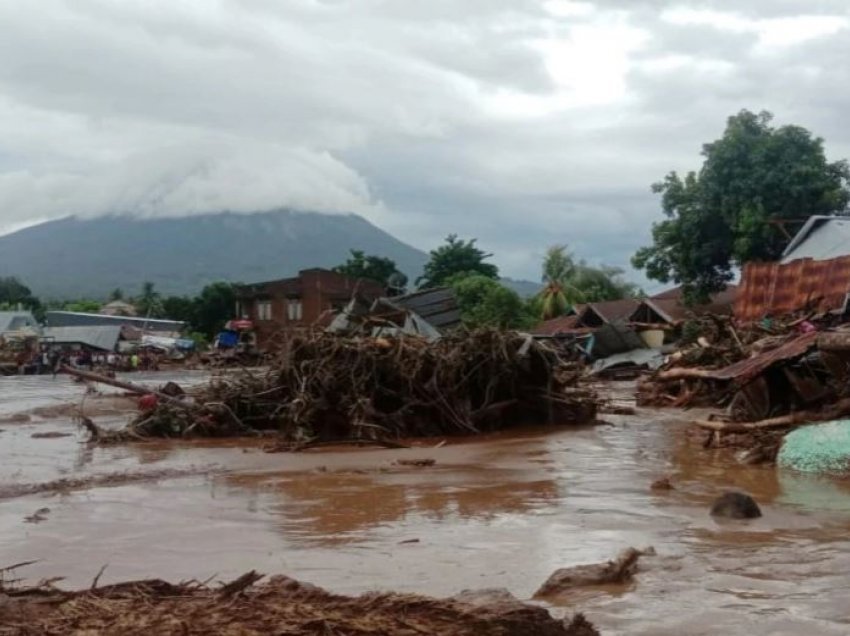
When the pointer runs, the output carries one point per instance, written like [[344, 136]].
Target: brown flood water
[[500, 511]]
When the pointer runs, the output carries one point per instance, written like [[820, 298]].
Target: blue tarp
[[228, 339]]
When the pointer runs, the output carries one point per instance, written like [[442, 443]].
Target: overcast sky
[[520, 122]]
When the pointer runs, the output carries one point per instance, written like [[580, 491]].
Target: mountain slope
[[73, 257]]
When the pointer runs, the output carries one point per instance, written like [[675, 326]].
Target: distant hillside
[[72, 257], [524, 288]]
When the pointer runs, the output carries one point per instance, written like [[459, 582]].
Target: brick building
[[300, 301]]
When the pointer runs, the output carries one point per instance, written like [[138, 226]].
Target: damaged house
[[428, 313], [812, 275], [299, 301]]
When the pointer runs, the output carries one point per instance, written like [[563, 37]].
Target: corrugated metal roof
[[104, 337], [670, 306], [781, 288], [613, 310], [821, 238], [745, 370], [81, 319], [438, 306], [16, 320]]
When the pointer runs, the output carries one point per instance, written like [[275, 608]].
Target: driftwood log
[[138, 389], [798, 418]]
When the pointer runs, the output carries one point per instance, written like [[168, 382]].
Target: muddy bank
[[281, 606]]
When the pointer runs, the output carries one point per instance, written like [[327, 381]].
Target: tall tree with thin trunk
[[559, 293]]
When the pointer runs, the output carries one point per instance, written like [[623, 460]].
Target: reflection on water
[[331, 508]]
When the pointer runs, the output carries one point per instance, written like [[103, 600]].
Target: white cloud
[[770, 33], [523, 122]]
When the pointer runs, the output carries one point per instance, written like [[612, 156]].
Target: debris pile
[[709, 342], [767, 381], [323, 388], [720, 358], [280, 605]]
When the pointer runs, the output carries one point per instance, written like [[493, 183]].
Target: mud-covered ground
[[501, 511]]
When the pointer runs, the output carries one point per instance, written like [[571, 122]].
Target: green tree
[[485, 302], [378, 268], [597, 284], [559, 292], [116, 294], [214, 306], [149, 302], [752, 177], [455, 257], [207, 312], [14, 293], [179, 308]]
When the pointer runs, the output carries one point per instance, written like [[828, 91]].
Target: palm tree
[[149, 303], [559, 293]]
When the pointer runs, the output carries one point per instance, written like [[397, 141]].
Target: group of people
[[51, 360]]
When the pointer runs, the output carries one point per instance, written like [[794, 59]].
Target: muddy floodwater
[[499, 511]]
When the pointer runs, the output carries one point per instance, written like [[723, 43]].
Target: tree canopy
[[149, 302], [14, 292], [455, 257], [485, 302], [568, 282], [207, 312], [558, 294], [726, 215], [377, 268]]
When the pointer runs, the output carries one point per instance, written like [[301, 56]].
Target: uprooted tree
[[753, 178]]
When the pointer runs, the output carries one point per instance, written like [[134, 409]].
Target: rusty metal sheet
[[744, 370], [783, 288]]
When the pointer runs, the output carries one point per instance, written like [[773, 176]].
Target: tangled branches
[[322, 387]]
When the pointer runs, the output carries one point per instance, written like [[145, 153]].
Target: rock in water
[[735, 505], [619, 570]]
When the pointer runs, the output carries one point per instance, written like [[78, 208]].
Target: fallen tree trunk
[[833, 411], [138, 389]]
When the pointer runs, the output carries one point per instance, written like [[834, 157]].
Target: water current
[[497, 511]]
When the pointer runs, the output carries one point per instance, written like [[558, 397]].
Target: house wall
[[317, 290]]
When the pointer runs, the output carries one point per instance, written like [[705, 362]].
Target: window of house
[[294, 309], [264, 310]]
